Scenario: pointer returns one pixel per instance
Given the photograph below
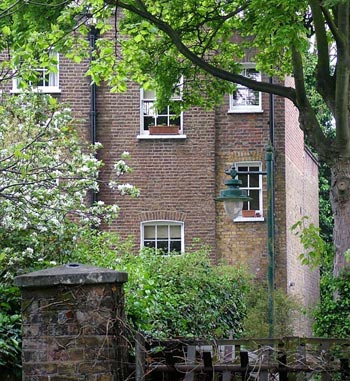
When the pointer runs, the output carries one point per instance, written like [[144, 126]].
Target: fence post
[[72, 324], [140, 357]]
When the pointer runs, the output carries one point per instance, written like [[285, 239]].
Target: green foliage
[[256, 324], [184, 295], [10, 330], [316, 249], [175, 295], [332, 317]]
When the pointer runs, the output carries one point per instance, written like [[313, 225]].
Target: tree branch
[[308, 121], [287, 92]]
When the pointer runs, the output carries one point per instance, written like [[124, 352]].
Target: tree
[[204, 41], [45, 171]]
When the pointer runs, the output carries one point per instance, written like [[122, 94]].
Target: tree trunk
[[340, 200]]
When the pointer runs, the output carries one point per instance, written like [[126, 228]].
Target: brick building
[[179, 175]]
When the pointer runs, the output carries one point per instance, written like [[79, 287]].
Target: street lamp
[[233, 199]]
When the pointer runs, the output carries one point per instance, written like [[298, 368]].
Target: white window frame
[[259, 213], [145, 133], [246, 108], [53, 85], [163, 223]]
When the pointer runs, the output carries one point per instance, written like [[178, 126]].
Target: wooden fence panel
[[287, 359]]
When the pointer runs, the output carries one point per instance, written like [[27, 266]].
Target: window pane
[[252, 74], [162, 120], [149, 232], [162, 231], [254, 194], [175, 231], [254, 181], [244, 179], [151, 244], [53, 79], [148, 121], [163, 245], [148, 108], [175, 246], [149, 94]]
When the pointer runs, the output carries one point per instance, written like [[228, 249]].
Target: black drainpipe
[[92, 41]]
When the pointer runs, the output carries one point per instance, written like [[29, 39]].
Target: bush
[[184, 295], [332, 316], [10, 332], [256, 322], [175, 295]]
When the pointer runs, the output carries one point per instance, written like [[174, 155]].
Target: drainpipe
[[92, 40], [271, 219]]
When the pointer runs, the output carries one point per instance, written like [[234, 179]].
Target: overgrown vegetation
[[166, 295], [287, 308], [10, 332], [175, 295]]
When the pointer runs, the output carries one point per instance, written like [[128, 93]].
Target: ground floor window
[[166, 236]]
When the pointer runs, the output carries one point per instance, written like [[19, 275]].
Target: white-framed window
[[245, 99], [248, 173], [165, 236], [47, 81], [150, 116]]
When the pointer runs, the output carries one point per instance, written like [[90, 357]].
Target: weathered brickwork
[[73, 332], [301, 200]]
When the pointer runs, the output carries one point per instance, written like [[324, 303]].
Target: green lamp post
[[233, 198]]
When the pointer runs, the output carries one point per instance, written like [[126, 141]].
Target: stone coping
[[70, 274]]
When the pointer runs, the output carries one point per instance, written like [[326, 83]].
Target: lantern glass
[[233, 208]]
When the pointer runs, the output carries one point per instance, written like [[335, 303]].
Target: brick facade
[[179, 178]]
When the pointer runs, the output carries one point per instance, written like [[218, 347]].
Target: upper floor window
[[46, 81], [248, 173], [165, 236], [245, 99], [151, 116]]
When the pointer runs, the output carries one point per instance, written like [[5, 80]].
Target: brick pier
[[71, 324]]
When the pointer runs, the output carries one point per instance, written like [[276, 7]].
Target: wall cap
[[70, 274]]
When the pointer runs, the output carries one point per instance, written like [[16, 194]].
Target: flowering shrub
[[45, 171]]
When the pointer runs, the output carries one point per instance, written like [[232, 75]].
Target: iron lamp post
[[233, 199]]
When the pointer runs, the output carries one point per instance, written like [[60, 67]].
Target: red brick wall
[[176, 176]]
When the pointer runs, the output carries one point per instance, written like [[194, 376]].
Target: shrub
[[256, 322], [10, 332], [332, 316], [176, 295]]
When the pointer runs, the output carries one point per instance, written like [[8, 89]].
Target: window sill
[[44, 90], [168, 136], [249, 219], [245, 110]]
